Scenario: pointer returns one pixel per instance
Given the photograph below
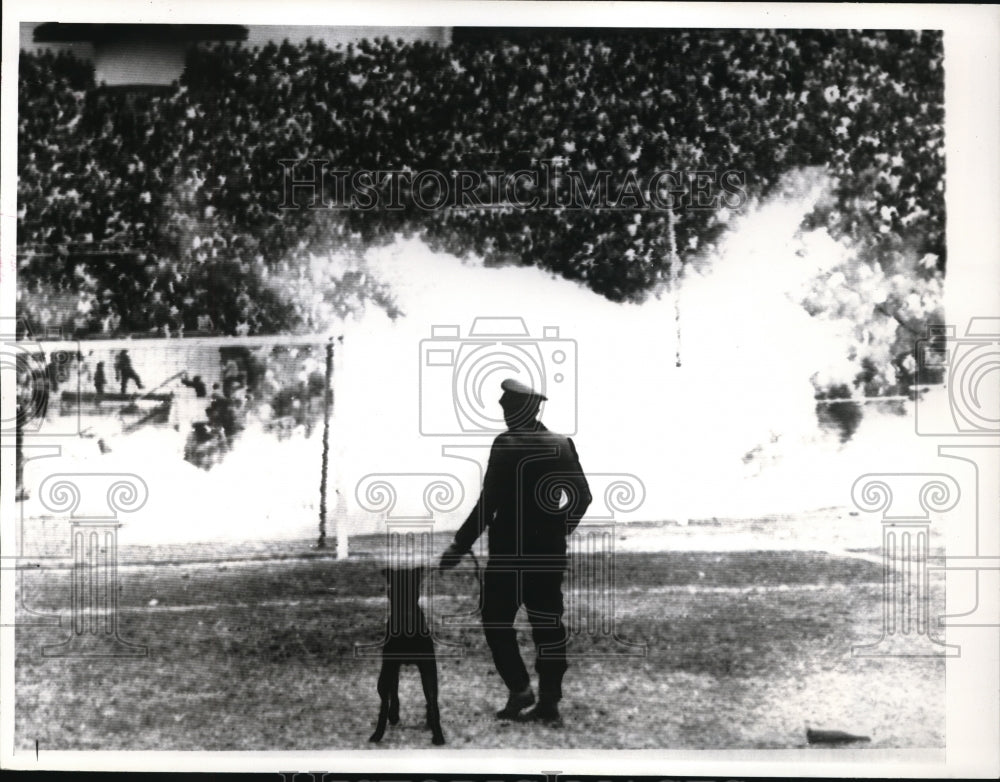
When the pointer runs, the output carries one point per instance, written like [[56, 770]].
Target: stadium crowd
[[162, 211]]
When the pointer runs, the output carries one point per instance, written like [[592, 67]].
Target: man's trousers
[[540, 592]]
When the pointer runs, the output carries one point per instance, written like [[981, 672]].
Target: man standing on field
[[534, 495]]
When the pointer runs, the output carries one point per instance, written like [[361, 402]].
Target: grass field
[[741, 650]]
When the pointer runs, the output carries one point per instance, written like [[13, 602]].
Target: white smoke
[[730, 433]]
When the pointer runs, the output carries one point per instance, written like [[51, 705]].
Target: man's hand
[[450, 558]]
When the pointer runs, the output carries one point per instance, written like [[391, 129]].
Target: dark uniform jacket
[[534, 495]]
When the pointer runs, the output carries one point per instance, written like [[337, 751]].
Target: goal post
[[161, 364]]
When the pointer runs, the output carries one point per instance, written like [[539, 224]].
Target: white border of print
[[972, 68]]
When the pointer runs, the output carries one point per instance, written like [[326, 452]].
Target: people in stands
[[184, 183], [205, 323]]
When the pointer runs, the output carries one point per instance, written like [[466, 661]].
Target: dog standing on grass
[[408, 640]]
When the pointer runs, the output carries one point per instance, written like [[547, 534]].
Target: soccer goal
[[209, 392]]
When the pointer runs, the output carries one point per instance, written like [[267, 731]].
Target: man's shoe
[[545, 711], [515, 702]]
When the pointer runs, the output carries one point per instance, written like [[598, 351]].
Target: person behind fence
[[53, 374], [27, 403], [231, 376], [83, 374], [42, 374], [100, 379], [124, 371], [188, 406], [195, 383], [534, 495], [205, 445]]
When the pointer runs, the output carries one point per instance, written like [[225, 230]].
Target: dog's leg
[[429, 681], [394, 695], [385, 685]]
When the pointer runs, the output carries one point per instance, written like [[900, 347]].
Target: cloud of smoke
[[731, 433]]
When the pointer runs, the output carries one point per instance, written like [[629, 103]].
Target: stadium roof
[[58, 32], [137, 56]]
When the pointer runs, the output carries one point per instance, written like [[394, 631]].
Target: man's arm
[[478, 519], [470, 531], [581, 498]]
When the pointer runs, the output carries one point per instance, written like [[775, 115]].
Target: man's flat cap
[[516, 387]]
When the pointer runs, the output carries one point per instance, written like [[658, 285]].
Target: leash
[[479, 576]]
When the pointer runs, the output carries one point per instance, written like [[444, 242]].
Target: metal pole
[[327, 404], [675, 282], [340, 514]]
